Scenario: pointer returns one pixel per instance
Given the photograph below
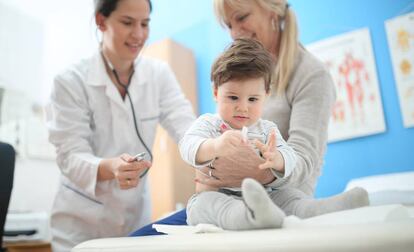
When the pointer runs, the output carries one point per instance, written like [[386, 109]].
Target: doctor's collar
[[109, 63]]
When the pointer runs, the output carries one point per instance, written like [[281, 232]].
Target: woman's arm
[[68, 120], [312, 100]]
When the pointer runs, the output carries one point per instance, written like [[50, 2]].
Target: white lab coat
[[87, 121]]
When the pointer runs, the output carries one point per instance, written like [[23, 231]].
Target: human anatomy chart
[[400, 33], [358, 108]]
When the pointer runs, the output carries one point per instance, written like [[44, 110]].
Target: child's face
[[240, 102]]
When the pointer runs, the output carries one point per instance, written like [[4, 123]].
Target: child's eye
[[233, 98], [253, 99]]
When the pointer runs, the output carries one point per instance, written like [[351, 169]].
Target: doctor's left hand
[[124, 169]]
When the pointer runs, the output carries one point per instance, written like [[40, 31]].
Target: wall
[[383, 153], [44, 37], [38, 39], [67, 34], [14, 47]]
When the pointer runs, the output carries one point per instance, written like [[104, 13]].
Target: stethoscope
[[126, 86]]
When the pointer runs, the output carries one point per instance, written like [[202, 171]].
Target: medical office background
[[40, 38]]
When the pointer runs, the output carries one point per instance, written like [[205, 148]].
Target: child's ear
[[215, 90]]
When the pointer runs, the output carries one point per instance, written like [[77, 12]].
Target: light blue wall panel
[[193, 24]]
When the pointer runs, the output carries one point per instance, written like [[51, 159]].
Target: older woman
[[300, 104], [302, 96]]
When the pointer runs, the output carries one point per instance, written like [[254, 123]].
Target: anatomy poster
[[400, 33], [358, 108]]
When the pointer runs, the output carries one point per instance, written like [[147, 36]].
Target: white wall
[[43, 37], [21, 48], [38, 39]]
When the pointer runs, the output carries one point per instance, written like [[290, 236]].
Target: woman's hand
[[125, 169], [230, 171]]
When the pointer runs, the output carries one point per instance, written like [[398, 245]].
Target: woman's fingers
[[128, 173], [211, 182], [128, 183], [204, 171], [128, 179], [125, 157], [135, 166]]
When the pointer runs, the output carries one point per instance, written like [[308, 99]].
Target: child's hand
[[273, 158], [228, 143]]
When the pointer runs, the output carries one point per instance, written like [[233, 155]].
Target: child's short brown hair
[[243, 59]]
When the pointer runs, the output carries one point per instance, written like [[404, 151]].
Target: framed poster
[[350, 60], [400, 33]]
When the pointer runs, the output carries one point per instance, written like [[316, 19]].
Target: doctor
[[102, 112]]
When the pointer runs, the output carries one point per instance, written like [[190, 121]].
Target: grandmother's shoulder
[[308, 62]]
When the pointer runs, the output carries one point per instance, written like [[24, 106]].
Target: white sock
[[264, 212]]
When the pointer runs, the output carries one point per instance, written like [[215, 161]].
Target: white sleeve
[[176, 111], [69, 123], [201, 130]]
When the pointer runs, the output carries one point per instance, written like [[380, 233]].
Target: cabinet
[[28, 246], [172, 180]]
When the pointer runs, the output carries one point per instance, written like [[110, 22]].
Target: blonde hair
[[289, 44], [243, 59]]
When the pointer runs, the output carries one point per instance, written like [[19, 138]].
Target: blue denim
[[179, 218]]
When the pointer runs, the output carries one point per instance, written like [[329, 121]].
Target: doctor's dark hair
[[106, 7], [243, 59]]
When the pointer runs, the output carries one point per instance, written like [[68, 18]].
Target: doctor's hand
[[124, 169]]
